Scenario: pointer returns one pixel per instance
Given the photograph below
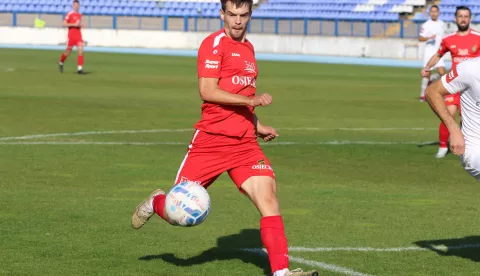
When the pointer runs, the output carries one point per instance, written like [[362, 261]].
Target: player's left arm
[[449, 84], [267, 133]]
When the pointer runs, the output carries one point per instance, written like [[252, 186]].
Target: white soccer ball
[[187, 204]]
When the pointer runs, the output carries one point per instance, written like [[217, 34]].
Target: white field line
[[133, 143], [85, 133], [347, 271], [361, 128], [329, 267], [58, 143], [371, 249], [315, 264]]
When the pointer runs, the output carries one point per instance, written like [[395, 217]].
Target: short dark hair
[[463, 8], [238, 3], [435, 7]]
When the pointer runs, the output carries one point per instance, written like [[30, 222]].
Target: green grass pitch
[[350, 172]]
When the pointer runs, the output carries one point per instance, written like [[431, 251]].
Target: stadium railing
[[293, 26]]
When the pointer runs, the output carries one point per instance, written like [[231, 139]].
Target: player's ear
[[222, 14]]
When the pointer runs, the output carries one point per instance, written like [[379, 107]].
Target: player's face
[[463, 20], [76, 6], [434, 13], [235, 20]]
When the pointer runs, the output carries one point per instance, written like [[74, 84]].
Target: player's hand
[[457, 142], [263, 100], [425, 72], [267, 133], [433, 36]]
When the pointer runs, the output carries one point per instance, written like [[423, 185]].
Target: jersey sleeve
[[443, 49], [67, 17], [210, 55], [459, 78]]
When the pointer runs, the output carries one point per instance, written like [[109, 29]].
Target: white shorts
[[471, 161], [426, 58]]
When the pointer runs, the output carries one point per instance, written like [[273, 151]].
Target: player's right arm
[[423, 36], [435, 58], [458, 80], [210, 92], [210, 58], [66, 24]]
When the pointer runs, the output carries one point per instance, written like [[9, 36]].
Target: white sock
[[79, 67], [424, 86], [280, 272]]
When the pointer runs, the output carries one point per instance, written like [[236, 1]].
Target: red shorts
[[74, 41], [210, 155], [452, 99]]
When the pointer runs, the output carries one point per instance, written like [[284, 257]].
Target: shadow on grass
[[467, 247], [227, 249]]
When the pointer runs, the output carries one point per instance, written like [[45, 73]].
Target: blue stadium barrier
[[265, 25]]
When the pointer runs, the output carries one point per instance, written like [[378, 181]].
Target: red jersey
[[233, 64], [74, 17], [461, 47]]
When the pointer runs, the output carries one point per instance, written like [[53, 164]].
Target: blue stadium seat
[[87, 10], [103, 11], [314, 9], [110, 10]]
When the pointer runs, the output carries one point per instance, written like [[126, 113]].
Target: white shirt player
[[429, 29], [466, 79]]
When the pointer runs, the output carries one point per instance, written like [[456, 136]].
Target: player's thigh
[[252, 162], [471, 161], [202, 163], [452, 101], [200, 168], [262, 192], [71, 42]]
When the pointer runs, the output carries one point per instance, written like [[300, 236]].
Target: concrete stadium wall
[[282, 44]]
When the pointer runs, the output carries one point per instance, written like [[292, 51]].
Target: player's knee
[[262, 191], [268, 204]]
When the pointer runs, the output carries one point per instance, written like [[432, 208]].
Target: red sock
[[159, 205], [274, 240], [80, 60], [63, 57], [443, 135]]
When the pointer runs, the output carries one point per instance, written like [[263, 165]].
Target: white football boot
[[442, 152], [144, 210]]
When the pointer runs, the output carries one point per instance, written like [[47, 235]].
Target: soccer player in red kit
[[225, 139], [73, 20], [463, 45]]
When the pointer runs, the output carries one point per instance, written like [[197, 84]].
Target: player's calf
[[63, 57], [262, 191]]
